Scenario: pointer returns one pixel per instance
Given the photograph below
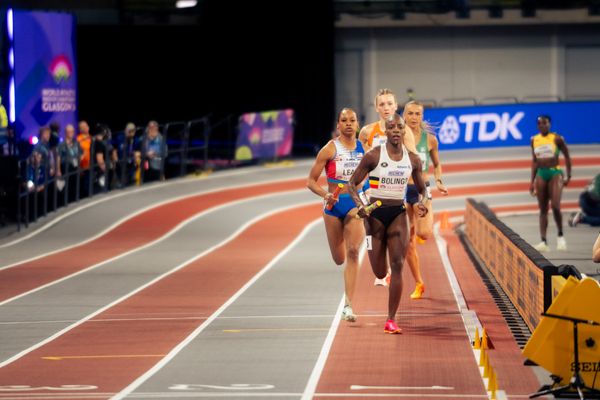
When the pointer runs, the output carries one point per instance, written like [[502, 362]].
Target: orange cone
[[476, 341], [444, 220], [487, 368], [482, 358], [484, 340], [492, 383]]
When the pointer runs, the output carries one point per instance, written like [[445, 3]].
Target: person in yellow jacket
[[547, 179], [3, 116]]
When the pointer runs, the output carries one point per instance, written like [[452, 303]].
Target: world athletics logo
[[61, 69]]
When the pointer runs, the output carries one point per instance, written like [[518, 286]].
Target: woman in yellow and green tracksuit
[[547, 178]]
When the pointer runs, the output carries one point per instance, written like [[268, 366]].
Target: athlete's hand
[[421, 210], [362, 212], [441, 187], [329, 201], [532, 190], [567, 180]]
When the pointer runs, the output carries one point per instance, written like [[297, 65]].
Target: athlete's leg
[[398, 238], [424, 225], [377, 253], [412, 258], [335, 236], [555, 187], [541, 190], [354, 235]]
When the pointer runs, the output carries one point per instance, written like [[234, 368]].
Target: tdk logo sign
[[488, 127]]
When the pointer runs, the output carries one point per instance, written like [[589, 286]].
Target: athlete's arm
[[435, 159], [363, 137], [367, 164], [325, 154], [533, 170], [415, 160], [409, 140], [560, 142]]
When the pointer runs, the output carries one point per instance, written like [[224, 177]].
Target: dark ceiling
[[164, 11]]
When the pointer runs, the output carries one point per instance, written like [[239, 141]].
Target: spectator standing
[[69, 157], [85, 142], [154, 150]]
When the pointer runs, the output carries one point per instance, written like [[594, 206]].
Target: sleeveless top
[[423, 151], [390, 178], [378, 134], [545, 146], [341, 167]]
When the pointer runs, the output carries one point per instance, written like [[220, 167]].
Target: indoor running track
[[223, 287]]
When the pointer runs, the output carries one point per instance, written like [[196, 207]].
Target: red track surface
[[198, 289], [498, 188], [512, 164], [432, 350], [132, 233], [513, 377]]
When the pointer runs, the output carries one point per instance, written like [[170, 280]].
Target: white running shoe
[[561, 244], [348, 314], [542, 247], [380, 282]]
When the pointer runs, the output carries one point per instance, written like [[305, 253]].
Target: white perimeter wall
[[466, 62]]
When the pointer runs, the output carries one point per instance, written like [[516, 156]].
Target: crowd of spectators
[[64, 165]]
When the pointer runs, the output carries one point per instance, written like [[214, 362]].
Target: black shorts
[[387, 214]]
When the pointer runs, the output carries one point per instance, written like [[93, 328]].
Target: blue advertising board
[[44, 73], [512, 125]]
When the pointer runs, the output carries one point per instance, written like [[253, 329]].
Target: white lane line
[[160, 186], [313, 380], [157, 367], [234, 235], [160, 239], [140, 211]]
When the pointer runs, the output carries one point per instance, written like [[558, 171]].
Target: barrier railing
[[185, 147], [522, 272]]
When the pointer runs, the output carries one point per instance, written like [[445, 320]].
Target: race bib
[[544, 151], [369, 242]]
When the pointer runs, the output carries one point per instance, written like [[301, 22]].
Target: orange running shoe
[[391, 327], [419, 290]]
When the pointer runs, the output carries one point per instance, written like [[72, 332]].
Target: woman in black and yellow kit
[[547, 178]]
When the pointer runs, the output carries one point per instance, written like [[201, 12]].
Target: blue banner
[[3, 78], [512, 125], [44, 70]]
